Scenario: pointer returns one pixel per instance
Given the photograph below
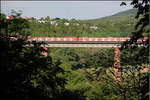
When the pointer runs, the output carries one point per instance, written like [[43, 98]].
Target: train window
[[109, 39], [96, 39], [58, 39], [124, 39], [84, 39], [120, 39], [102, 39], [52, 39], [90, 39]]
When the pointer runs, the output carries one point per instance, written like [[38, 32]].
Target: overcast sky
[[65, 9]]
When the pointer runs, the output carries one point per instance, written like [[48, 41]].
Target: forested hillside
[[120, 24]]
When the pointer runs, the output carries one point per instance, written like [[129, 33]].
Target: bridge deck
[[85, 45], [83, 42]]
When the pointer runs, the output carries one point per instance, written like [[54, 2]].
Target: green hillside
[[127, 12], [119, 24], [130, 12]]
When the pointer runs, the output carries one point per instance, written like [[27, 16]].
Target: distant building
[[10, 17], [41, 21], [54, 23], [76, 24], [66, 23], [94, 27]]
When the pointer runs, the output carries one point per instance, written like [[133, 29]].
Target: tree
[[134, 83], [24, 72], [142, 25], [102, 58]]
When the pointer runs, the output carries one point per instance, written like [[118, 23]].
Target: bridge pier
[[117, 66], [45, 53]]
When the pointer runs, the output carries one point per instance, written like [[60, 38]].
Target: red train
[[83, 39]]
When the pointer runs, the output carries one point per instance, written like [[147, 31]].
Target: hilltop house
[[54, 23], [66, 23], [94, 27]]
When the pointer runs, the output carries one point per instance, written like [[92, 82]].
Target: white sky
[[65, 9]]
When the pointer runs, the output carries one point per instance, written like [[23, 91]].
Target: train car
[[65, 39], [83, 39], [31, 38], [142, 39], [102, 39], [92, 39], [121, 39], [62, 39]]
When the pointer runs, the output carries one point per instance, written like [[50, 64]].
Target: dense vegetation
[[68, 73], [90, 72], [25, 73]]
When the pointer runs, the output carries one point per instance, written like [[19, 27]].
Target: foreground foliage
[[25, 73], [95, 80]]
